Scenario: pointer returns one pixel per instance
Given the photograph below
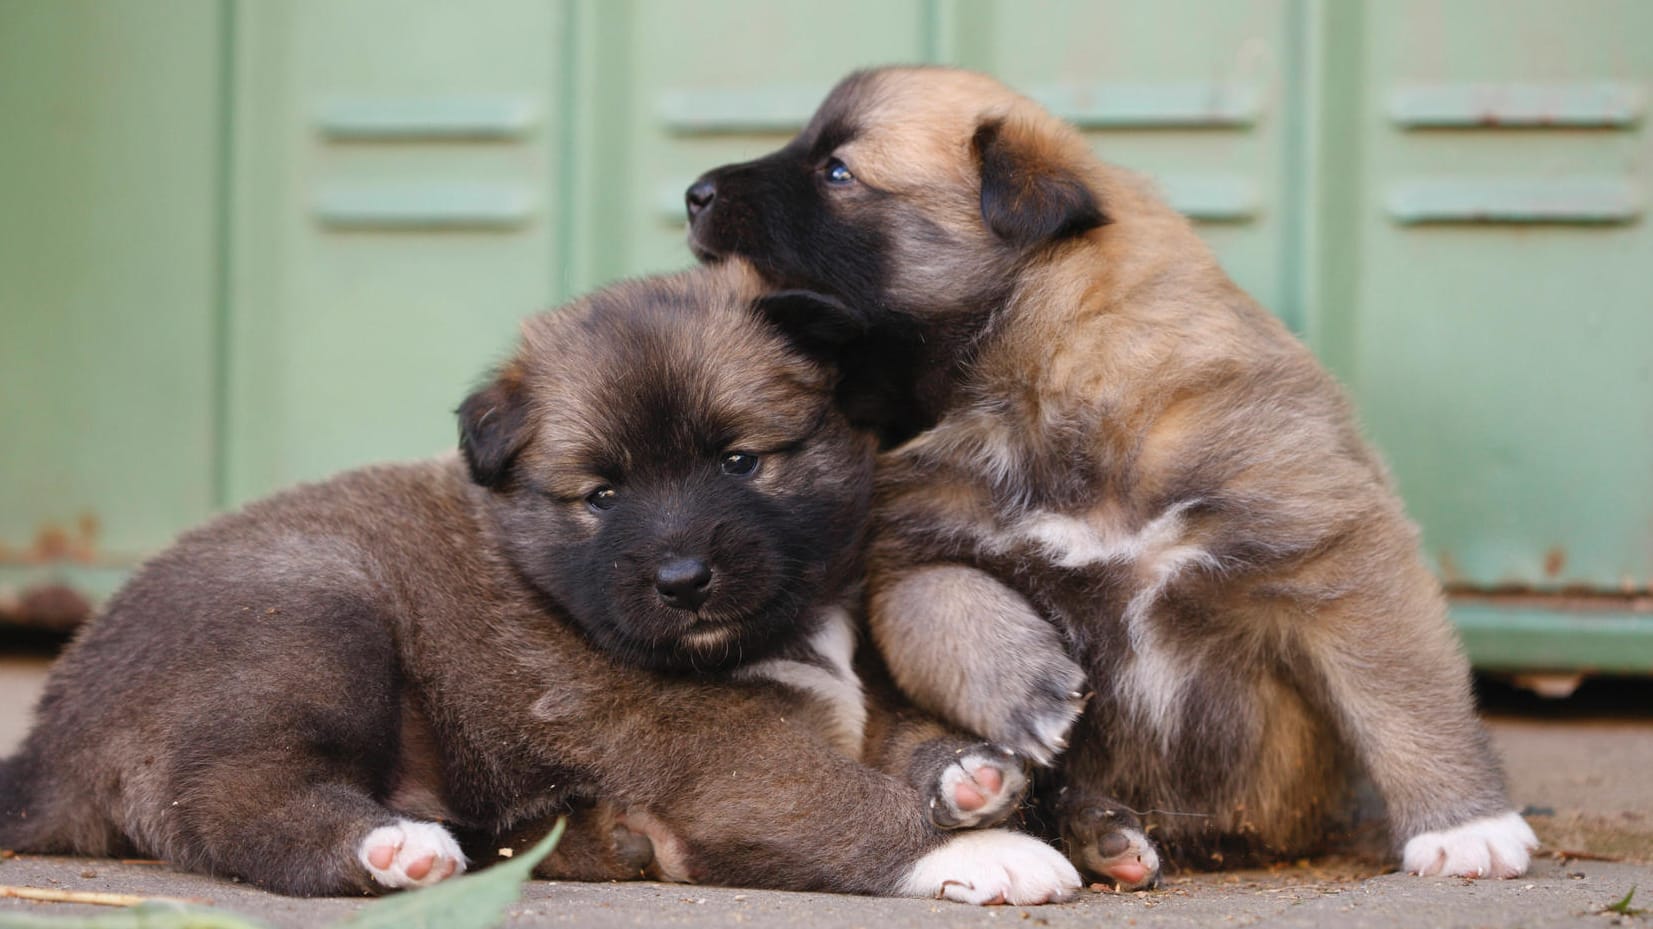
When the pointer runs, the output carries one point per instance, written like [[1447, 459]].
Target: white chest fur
[[830, 677], [1155, 554]]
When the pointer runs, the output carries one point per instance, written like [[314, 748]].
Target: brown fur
[[1116, 468], [287, 679]]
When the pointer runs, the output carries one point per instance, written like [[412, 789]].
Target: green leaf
[[1623, 907], [151, 915], [475, 901]]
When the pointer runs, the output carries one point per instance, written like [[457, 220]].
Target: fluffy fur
[[1109, 465], [323, 692]]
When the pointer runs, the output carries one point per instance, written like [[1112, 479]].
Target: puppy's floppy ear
[[1027, 196], [817, 325], [493, 427]]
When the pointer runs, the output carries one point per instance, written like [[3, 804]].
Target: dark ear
[[817, 325], [1027, 198], [492, 428]]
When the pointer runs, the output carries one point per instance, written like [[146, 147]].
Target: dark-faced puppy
[[687, 503], [629, 588], [1130, 479]]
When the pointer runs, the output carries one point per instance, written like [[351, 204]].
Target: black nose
[[700, 195], [683, 582]]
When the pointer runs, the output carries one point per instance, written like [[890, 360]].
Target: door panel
[[681, 88], [396, 212], [1500, 330], [108, 278]]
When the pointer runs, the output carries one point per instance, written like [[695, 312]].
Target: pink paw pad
[[983, 782], [982, 787], [410, 854], [1110, 844]]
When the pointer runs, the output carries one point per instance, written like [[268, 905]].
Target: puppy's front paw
[[992, 866], [410, 854], [1047, 702], [1002, 671], [1107, 840], [978, 786], [1493, 846]]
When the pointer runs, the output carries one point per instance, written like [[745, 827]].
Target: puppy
[[1113, 472], [629, 587]]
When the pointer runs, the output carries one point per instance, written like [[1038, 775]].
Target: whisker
[[1165, 812]]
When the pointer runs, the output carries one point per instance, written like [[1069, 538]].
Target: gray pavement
[[1555, 893], [1584, 770]]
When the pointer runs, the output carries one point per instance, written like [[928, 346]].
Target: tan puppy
[[1113, 472]]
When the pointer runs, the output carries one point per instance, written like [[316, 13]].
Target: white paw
[[1494, 846], [410, 854], [992, 866], [981, 787]]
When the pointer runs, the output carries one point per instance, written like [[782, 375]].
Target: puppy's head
[[664, 467], [915, 191]]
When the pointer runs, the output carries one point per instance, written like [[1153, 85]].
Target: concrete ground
[[1583, 768]]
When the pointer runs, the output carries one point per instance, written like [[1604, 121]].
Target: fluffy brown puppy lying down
[[1117, 485], [629, 588]]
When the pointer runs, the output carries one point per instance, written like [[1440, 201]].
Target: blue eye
[[740, 464], [838, 173], [603, 498]]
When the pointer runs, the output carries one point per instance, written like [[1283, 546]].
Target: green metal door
[[110, 276], [671, 89], [1497, 331], [251, 243], [395, 209]]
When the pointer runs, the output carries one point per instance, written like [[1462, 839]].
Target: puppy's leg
[[290, 819], [276, 774], [598, 844], [1397, 681], [976, 653], [1103, 837], [752, 797], [969, 783]]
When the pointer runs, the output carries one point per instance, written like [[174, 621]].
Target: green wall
[[249, 243]]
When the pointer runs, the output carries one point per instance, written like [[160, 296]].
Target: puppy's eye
[[603, 498], [740, 464], [838, 173]]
